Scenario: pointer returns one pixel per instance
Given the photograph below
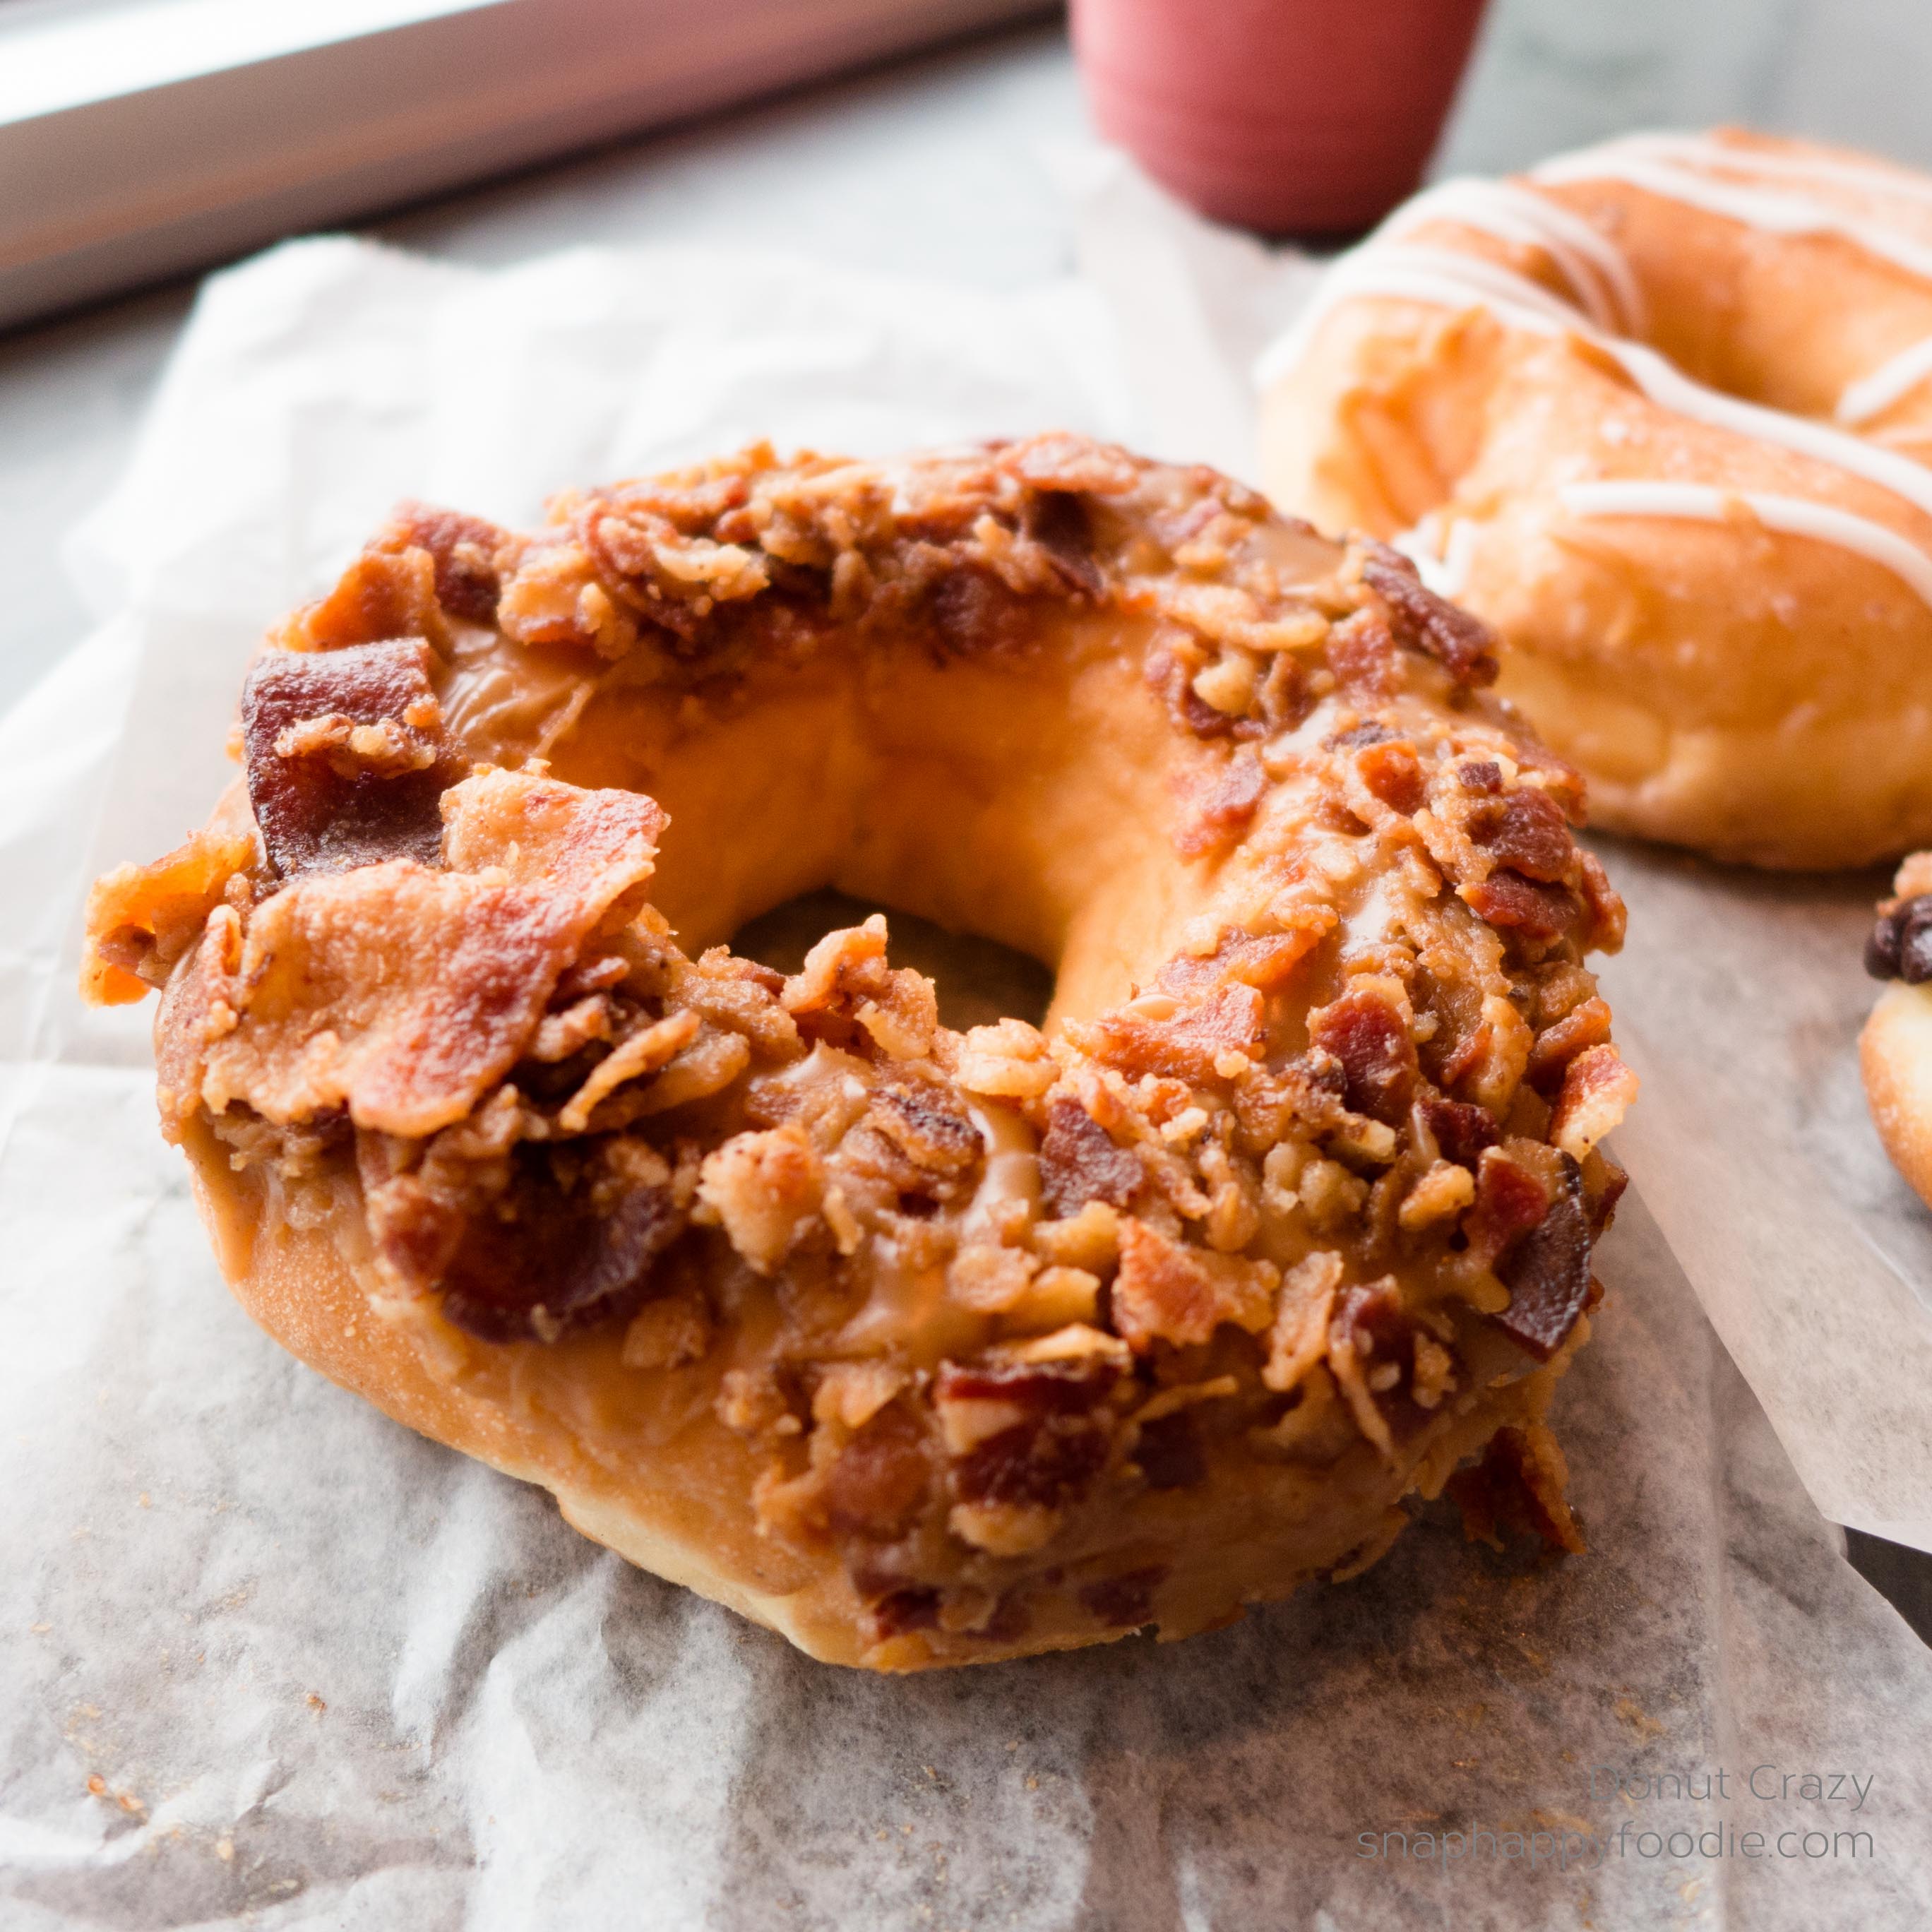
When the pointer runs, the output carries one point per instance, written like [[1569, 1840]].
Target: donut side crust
[[1895, 1058]]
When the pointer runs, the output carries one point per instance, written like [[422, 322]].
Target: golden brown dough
[[920, 1347], [1659, 413]]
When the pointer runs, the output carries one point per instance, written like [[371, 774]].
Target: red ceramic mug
[[1294, 117]]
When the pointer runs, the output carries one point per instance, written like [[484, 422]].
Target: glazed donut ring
[[919, 1347], [1656, 413]]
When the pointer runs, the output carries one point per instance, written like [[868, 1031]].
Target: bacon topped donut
[[921, 1347], [1658, 413]]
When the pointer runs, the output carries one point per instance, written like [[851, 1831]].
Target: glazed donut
[[1895, 1048], [921, 1347], [1656, 411]]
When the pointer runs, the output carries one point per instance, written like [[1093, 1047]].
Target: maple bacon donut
[[920, 1347], [1658, 412]]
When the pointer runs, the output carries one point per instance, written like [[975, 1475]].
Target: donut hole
[[980, 980], [1028, 798]]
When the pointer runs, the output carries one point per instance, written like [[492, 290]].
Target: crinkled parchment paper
[[267, 1658]]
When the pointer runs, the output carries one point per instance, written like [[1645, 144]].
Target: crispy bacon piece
[[1362, 653], [1463, 644], [464, 551], [880, 1477], [1517, 1488], [1548, 1272], [141, 918], [1264, 960], [1079, 1162], [1513, 904], [1056, 1442], [316, 814], [1461, 1132], [406, 994], [1510, 1198], [1586, 1024], [1223, 807], [1367, 1036], [1168, 1291], [1393, 773], [385, 593], [549, 1261], [1369, 1332], [1597, 1092], [1525, 830], [1190, 1045]]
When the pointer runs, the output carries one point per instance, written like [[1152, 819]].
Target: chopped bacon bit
[[1052, 1443], [1362, 655], [1463, 644], [1265, 960], [1168, 1291], [1059, 521], [549, 1262], [1377, 1057], [1079, 1162], [1126, 1601], [929, 1123], [1586, 1024], [880, 1477], [1598, 1091], [1393, 773], [1057, 459], [1509, 1199], [1517, 1488], [1508, 901], [141, 919], [1606, 1184], [766, 1189], [1548, 1272], [316, 816], [464, 551], [1190, 1046], [383, 595], [1461, 1131], [1371, 1331], [1525, 829], [1224, 808], [1607, 915]]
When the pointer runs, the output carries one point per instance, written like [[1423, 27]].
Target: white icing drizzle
[[1443, 561], [1671, 390], [1703, 151], [1896, 376], [1438, 278], [1651, 169], [1703, 503], [1442, 276], [1593, 265]]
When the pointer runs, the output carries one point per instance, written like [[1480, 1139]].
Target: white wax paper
[[266, 1658]]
